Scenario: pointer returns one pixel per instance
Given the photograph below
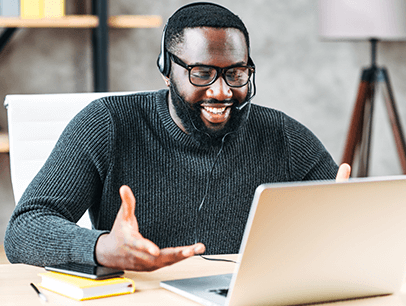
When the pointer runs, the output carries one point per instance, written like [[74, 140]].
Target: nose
[[219, 90]]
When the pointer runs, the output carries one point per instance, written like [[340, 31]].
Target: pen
[[41, 295]]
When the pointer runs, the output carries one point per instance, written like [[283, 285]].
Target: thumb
[[128, 204], [127, 211]]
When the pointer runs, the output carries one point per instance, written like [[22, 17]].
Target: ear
[[166, 80]]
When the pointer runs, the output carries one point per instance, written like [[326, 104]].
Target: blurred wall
[[314, 81]]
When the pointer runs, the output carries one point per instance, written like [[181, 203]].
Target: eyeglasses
[[204, 75]]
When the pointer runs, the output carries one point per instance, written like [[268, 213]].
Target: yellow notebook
[[32, 9], [79, 288], [54, 8]]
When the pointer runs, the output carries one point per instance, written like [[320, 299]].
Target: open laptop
[[314, 242]]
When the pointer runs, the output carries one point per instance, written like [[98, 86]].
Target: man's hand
[[124, 247], [343, 173]]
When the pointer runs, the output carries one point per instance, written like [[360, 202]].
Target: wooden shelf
[[135, 21], [4, 147], [73, 21], [83, 21]]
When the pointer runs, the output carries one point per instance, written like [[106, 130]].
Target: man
[[166, 174]]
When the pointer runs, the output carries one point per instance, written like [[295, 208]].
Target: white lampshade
[[362, 19]]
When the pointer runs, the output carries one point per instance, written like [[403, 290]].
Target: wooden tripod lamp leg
[[394, 119], [354, 135]]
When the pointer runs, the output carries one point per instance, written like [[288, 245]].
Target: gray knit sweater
[[132, 140]]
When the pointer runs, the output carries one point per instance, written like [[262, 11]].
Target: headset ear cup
[[162, 61], [159, 63], [164, 64], [167, 65]]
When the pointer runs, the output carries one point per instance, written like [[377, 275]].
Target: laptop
[[312, 242]]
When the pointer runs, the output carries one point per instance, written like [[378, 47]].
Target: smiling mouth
[[215, 110], [216, 113]]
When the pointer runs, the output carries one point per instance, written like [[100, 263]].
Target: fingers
[[196, 249], [344, 172], [172, 255], [140, 244], [168, 256]]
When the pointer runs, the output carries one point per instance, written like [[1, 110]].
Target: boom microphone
[[240, 107]]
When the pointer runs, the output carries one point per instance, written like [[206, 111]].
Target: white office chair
[[35, 123]]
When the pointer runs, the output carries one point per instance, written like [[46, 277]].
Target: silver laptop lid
[[312, 242]]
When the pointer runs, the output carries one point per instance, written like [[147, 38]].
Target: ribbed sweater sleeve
[[42, 229]]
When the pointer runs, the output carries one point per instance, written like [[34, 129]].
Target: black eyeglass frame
[[219, 71]]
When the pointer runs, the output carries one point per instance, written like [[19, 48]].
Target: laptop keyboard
[[222, 292]]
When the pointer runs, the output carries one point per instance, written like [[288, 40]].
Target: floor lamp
[[372, 20]]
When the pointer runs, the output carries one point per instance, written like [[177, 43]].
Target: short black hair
[[198, 15]]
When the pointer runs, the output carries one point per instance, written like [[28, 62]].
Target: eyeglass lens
[[234, 76]]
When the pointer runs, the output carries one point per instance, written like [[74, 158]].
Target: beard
[[189, 114]]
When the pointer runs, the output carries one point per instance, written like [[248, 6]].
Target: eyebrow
[[241, 63], [176, 58]]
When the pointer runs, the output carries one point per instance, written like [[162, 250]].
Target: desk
[[15, 287]]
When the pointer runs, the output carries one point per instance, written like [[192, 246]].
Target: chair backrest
[[35, 123]]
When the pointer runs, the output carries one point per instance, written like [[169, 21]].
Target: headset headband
[[163, 61]]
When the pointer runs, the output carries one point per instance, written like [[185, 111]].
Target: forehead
[[213, 46]]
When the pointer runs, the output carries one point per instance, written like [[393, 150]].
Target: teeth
[[215, 110]]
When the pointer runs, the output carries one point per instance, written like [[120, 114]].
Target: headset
[[164, 61]]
